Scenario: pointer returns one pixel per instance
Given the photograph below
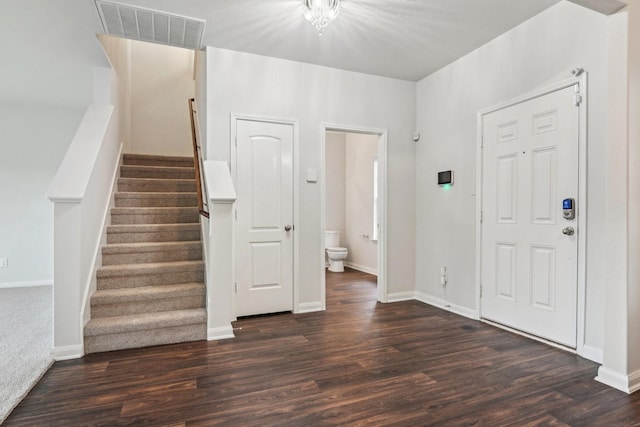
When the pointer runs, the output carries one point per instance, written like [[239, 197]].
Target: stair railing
[[197, 159]]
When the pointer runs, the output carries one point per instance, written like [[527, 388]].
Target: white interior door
[[264, 225], [529, 265]]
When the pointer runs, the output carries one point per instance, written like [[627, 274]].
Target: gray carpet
[[26, 339]]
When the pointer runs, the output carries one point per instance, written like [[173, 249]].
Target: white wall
[[201, 95], [633, 302], [252, 84], [532, 55], [33, 141], [161, 85], [335, 189], [361, 150], [49, 51], [118, 51]]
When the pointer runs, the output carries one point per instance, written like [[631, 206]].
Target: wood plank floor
[[358, 363]]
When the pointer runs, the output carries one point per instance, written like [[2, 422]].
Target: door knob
[[569, 231], [287, 227]]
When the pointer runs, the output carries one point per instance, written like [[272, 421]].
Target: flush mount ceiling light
[[321, 12]]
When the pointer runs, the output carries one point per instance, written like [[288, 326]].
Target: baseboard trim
[[67, 352], [625, 383], [591, 353], [26, 284], [309, 307], [445, 305], [221, 333], [361, 268], [401, 296]]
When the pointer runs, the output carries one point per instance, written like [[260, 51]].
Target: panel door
[[264, 225], [529, 266]]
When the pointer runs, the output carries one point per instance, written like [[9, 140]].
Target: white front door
[[264, 225], [529, 265]]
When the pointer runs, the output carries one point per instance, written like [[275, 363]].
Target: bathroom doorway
[[353, 202]]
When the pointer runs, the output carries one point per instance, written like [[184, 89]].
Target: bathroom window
[[374, 233]]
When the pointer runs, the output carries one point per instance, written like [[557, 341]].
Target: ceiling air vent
[[149, 25]]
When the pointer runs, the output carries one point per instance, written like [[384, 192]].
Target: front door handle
[[287, 227], [569, 231]]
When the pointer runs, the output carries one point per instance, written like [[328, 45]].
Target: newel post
[[220, 250]]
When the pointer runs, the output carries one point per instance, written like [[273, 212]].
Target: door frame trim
[[233, 155], [581, 348], [382, 292]]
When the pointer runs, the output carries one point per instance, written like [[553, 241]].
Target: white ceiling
[[404, 39]]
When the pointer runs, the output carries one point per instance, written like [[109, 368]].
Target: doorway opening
[[353, 211]]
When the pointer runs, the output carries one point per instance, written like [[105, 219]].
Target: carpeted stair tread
[[129, 233], [159, 199], [155, 160], [151, 252], [148, 268], [146, 293], [126, 248], [154, 215], [152, 228], [155, 185], [144, 322], [151, 210], [158, 172]]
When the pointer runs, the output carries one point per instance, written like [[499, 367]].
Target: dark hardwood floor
[[358, 363]]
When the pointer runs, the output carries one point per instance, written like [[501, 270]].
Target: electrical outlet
[[4, 262]]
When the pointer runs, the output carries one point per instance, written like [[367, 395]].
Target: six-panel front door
[[529, 254], [264, 225]]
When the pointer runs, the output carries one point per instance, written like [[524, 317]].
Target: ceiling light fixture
[[321, 12]]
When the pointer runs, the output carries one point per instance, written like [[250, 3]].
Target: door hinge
[[236, 212], [482, 142], [236, 287], [481, 214], [236, 141], [577, 100], [481, 290]]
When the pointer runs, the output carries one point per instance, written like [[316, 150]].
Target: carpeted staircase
[[150, 288]]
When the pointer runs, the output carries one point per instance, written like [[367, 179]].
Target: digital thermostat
[[445, 178]]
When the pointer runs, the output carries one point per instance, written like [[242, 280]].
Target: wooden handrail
[[197, 158]]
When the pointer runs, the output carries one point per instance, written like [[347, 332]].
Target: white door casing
[[382, 293], [529, 268], [264, 211]]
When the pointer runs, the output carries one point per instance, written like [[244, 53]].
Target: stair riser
[[137, 172], [154, 279], [166, 304], [156, 202], [178, 254], [182, 163], [146, 338], [167, 186], [164, 218], [158, 236]]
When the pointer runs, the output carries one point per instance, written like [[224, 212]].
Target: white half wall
[[535, 54], [245, 83], [34, 141]]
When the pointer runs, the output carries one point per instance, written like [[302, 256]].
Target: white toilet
[[336, 254]]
